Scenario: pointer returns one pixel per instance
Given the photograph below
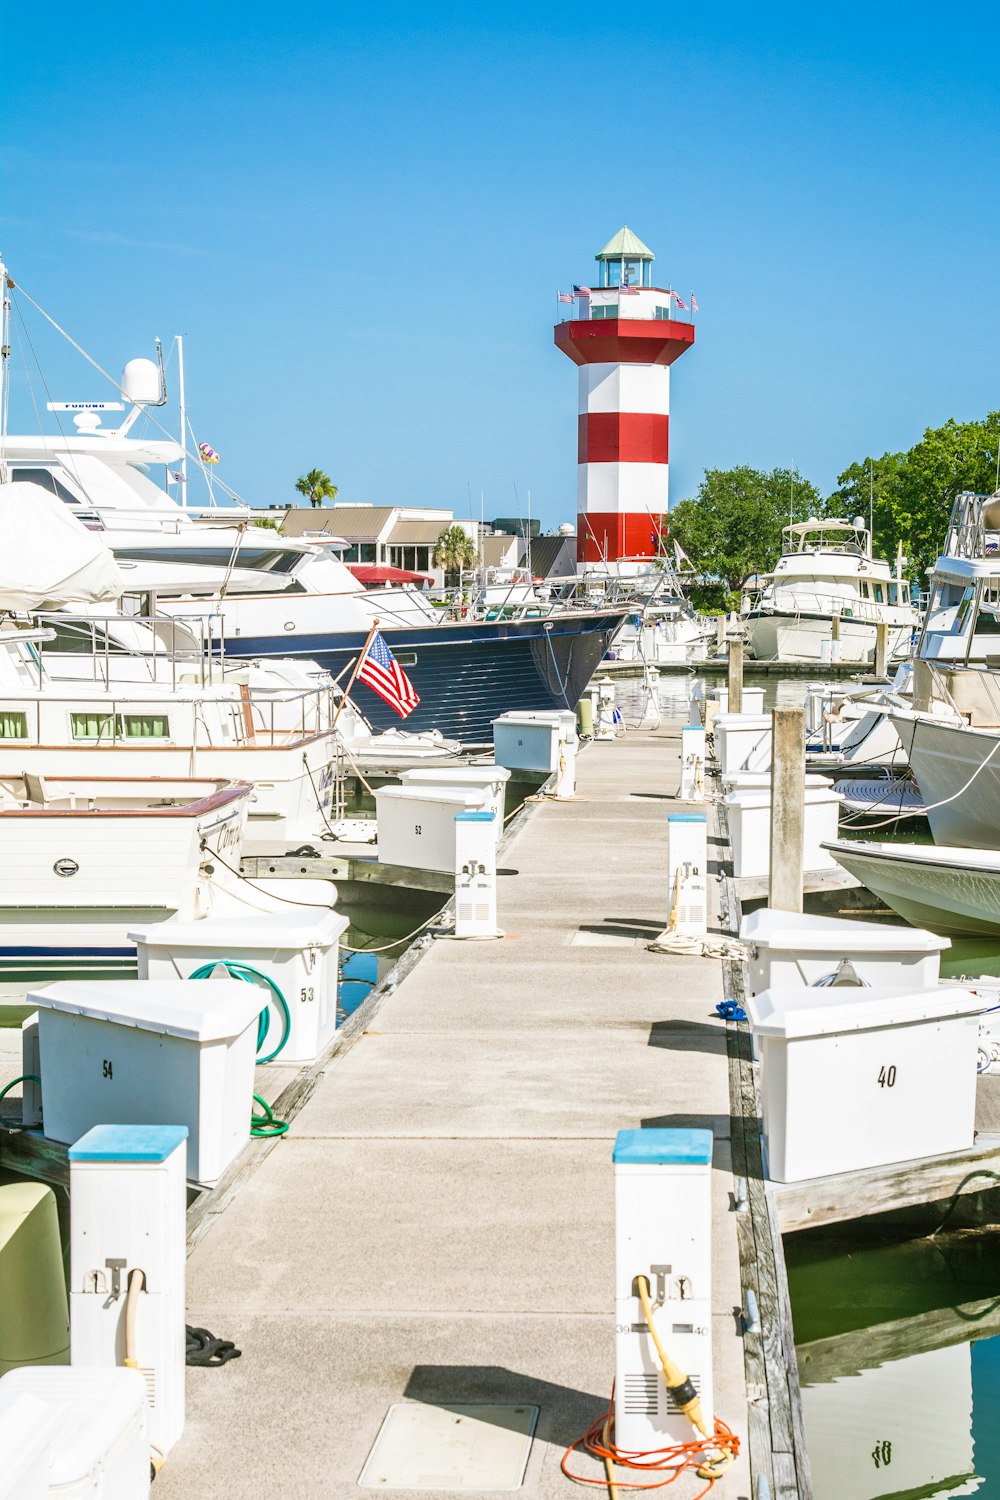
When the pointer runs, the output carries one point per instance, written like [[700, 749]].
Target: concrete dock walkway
[[438, 1225]]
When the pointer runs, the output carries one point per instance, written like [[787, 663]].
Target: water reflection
[[899, 1362]]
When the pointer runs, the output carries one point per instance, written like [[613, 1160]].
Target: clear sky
[[359, 218]]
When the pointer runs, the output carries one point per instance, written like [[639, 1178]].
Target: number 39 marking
[[886, 1077]]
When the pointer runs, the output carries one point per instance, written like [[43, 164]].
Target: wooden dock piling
[[788, 790]]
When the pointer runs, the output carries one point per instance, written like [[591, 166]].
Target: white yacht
[[826, 597]]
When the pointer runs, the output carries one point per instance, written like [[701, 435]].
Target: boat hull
[[945, 890], [465, 674], [958, 772], [772, 636]]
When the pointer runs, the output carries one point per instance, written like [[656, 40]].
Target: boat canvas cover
[[48, 557]]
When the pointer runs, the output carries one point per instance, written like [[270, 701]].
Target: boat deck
[[438, 1225]]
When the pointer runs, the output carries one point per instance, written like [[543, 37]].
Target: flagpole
[[357, 668]]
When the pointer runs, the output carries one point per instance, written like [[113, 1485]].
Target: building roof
[[497, 550], [546, 551], [416, 533], [625, 243], [356, 522]]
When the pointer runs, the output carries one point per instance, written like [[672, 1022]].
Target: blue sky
[[359, 218]]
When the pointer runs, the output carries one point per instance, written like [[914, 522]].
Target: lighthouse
[[624, 340]]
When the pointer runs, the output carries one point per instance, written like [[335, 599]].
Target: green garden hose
[[249, 974], [266, 1124]]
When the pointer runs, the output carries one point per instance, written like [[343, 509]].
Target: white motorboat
[[826, 598], [946, 888]]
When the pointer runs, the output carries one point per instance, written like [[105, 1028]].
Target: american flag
[[383, 674], [694, 302], [565, 296], [679, 300], [630, 291], [581, 291]]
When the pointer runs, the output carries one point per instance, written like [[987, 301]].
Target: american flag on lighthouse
[[383, 674]]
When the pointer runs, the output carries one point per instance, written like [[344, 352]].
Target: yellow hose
[[136, 1282], [715, 1463]]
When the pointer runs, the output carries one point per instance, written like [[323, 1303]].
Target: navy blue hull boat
[[466, 674]]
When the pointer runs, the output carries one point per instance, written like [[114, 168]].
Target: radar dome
[[141, 382], [566, 529]]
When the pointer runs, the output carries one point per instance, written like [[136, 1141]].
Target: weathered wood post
[[788, 796], [735, 674], [720, 633], [881, 649]]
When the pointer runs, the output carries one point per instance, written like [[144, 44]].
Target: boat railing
[[260, 721], [845, 606], [192, 646], [967, 536]]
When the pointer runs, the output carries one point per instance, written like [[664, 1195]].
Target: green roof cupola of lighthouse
[[625, 260]]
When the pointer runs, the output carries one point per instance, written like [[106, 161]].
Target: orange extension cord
[[678, 1458]]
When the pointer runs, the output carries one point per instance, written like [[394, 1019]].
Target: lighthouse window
[[604, 312], [662, 312]]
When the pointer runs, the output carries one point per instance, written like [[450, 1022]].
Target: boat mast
[[4, 372], [183, 415]]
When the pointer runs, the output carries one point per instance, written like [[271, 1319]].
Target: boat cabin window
[[106, 726], [47, 480], [879, 591], [95, 726], [13, 725]]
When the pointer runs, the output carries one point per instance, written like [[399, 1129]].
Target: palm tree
[[317, 487], [453, 551]]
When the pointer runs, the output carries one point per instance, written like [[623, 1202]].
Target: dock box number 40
[[887, 1076]]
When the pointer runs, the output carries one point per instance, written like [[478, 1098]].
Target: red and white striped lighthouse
[[624, 340]]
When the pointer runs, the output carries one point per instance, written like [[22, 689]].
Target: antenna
[[183, 416]]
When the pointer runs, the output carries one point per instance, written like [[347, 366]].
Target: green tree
[[732, 527], [317, 487], [911, 493], [454, 551]]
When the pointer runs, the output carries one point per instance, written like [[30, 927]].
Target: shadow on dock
[[563, 1413]]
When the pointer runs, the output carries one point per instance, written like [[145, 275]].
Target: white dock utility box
[[416, 824], [26, 1430], [737, 736], [749, 815], [790, 948], [152, 1052], [530, 742], [100, 1436], [298, 952], [128, 1205], [489, 779], [760, 781], [663, 1231], [753, 699], [854, 1078]]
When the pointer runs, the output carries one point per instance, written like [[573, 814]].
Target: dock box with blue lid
[[855, 1077], [789, 948], [416, 824], [489, 779], [128, 1192], [151, 1052], [663, 1233], [292, 956], [99, 1433]]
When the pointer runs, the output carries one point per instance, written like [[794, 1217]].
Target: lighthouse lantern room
[[623, 338]]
